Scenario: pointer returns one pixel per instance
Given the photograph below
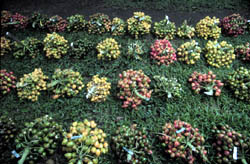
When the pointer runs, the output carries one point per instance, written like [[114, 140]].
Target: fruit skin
[[163, 52], [239, 82], [98, 89], [55, 46], [139, 24], [219, 54], [84, 143], [225, 139], [164, 29], [233, 25], [40, 136], [183, 142], [189, 52], [108, 49], [7, 82], [134, 88], [30, 85], [99, 23], [65, 83], [208, 28], [131, 145], [205, 83]]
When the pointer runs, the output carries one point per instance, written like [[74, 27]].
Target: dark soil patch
[[89, 7]]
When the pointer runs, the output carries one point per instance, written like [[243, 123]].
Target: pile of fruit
[[243, 51], [108, 48], [208, 28], [186, 31], [38, 21], [219, 54], [65, 83], [38, 139], [139, 24], [55, 45], [81, 47], [76, 23], [165, 29], [136, 49], [7, 81], [163, 51], [98, 89], [239, 82], [19, 21], [99, 23], [183, 142], [118, 27], [5, 19], [84, 143], [131, 145], [30, 85], [231, 146], [205, 83], [29, 47], [233, 25], [56, 24], [5, 46], [134, 87], [189, 52], [167, 87]]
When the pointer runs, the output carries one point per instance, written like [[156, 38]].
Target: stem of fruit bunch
[[139, 95], [243, 160], [24, 156]]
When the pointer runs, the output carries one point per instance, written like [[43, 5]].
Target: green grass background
[[201, 111]]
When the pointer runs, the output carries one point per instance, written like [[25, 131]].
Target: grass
[[184, 5], [201, 111]]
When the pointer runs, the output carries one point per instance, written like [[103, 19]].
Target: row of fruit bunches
[[139, 24], [84, 142]]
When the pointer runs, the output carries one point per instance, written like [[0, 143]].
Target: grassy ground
[[199, 110]]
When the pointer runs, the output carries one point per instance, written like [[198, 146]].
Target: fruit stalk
[[24, 156]]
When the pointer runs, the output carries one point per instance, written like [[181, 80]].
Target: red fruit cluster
[[229, 144], [181, 141], [20, 21], [163, 51], [243, 51], [7, 81], [206, 83], [233, 25], [134, 87], [56, 24]]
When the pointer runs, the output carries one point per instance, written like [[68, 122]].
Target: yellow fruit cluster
[[5, 46], [219, 54], [84, 143], [139, 24], [186, 31], [208, 28], [55, 45], [66, 82], [189, 52], [31, 84], [98, 89], [118, 27], [108, 48]]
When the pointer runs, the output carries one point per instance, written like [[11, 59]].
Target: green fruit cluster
[[38, 20], [81, 47], [84, 143], [76, 23], [131, 145], [239, 82], [38, 139], [65, 83], [186, 31], [165, 29]]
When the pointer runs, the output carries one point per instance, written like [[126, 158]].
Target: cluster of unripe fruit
[[98, 89], [76, 23], [206, 83], [134, 87], [219, 54], [165, 29], [7, 81], [186, 31], [84, 143], [183, 142], [163, 52]]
